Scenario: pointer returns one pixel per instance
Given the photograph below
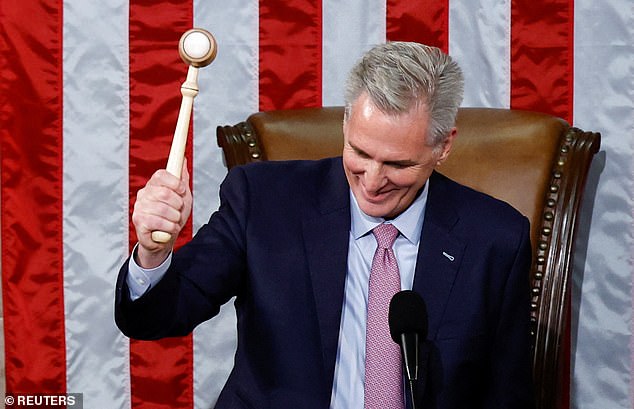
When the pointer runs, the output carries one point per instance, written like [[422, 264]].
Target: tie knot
[[385, 235]]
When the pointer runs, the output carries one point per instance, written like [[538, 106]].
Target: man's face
[[386, 158]]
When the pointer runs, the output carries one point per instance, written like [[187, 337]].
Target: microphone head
[[408, 314]]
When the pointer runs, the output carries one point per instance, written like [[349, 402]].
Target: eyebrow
[[403, 162], [359, 151]]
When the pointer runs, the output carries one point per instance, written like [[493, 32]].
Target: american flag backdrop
[[88, 104]]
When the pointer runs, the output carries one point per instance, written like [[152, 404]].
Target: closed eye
[[400, 164], [360, 153]]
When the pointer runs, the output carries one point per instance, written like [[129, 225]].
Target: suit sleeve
[[511, 375], [204, 274]]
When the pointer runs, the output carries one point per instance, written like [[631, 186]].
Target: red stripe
[[290, 54], [542, 56], [32, 249], [542, 67], [161, 371], [422, 21]]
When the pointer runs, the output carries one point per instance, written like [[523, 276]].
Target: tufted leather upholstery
[[536, 162]]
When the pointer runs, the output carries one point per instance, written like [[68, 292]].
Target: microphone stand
[[410, 360], [411, 392]]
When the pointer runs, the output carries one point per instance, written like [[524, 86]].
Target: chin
[[375, 211]]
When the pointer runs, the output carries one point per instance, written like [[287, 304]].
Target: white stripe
[[479, 39], [349, 29], [228, 94], [604, 101], [95, 118]]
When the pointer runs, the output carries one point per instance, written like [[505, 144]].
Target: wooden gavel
[[197, 48]]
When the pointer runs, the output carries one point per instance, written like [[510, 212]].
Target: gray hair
[[399, 76]]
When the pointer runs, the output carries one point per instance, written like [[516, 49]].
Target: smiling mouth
[[376, 198]]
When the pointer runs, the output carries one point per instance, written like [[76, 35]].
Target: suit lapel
[[326, 231], [439, 252]]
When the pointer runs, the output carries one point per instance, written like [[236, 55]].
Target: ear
[[445, 147]]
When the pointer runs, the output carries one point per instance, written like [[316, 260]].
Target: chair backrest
[[535, 162]]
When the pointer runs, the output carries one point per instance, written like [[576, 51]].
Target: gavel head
[[197, 47]]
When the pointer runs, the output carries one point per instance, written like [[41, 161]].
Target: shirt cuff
[[140, 279]]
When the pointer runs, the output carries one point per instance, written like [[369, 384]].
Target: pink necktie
[[383, 373]]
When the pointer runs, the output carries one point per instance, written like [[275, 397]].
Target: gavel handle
[[189, 90]]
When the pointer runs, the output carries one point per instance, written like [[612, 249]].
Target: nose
[[373, 177]]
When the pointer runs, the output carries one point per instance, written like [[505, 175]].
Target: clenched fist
[[164, 204]]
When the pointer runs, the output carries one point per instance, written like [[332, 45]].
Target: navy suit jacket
[[279, 243]]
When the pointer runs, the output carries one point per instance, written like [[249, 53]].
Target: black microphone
[[408, 328]]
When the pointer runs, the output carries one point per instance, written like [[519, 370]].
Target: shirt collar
[[409, 223]]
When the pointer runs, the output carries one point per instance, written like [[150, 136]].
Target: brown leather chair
[[535, 162]]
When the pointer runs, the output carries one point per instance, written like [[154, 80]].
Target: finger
[[160, 209], [153, 194], [163, 178], [147, 223]]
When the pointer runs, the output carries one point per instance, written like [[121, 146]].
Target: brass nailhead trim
[[251, 142], [546, 230]]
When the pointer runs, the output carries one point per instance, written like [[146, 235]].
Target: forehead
[[367, 125]]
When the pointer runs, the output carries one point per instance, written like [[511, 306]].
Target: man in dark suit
[[293, 242]]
